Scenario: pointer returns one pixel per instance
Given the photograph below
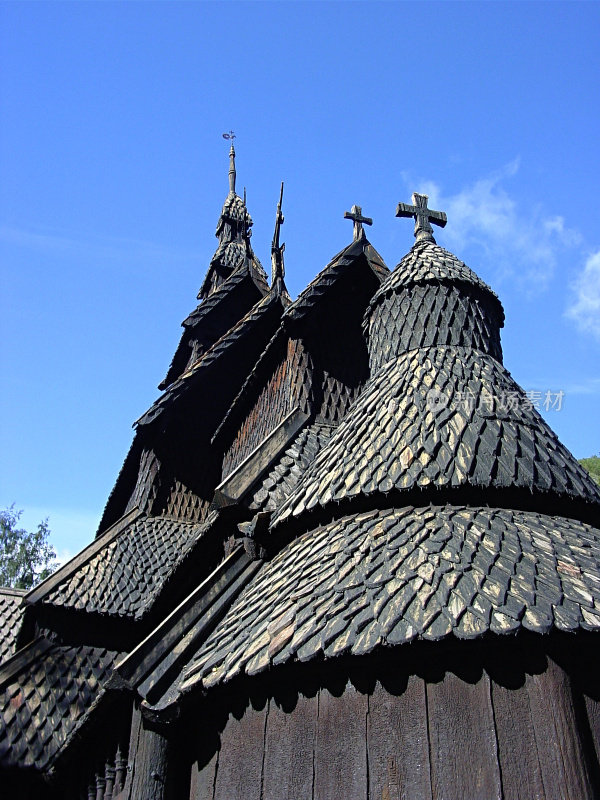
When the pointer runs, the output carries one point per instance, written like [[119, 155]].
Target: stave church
[[336, 563]]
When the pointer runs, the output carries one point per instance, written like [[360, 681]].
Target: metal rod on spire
[[231, 136]]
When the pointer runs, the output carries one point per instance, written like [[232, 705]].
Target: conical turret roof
[[440, 411]]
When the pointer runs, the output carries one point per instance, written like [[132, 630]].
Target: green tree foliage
[[593, 466], [25, 558]]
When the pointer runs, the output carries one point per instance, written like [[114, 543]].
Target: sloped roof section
[[440, 417], [385, 578], [284, 474], [45, 690], [201, 320], [247, 268], [10, 620], [237, 332], [126, 575], [427, 262], [318, 287]]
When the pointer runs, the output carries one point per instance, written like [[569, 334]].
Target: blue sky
[[113, 173]]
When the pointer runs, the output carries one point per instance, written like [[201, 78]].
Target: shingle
[[41, 704], [125, 577], [319, 286], [10, 620], [471, 446], [375, 599]]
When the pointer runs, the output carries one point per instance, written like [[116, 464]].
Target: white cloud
[[520, 244], [62, 556], [70, 529], [584, 308]]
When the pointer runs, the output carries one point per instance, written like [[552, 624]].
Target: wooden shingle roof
[[45, 691], [338, 265], [10, 619], [483, 431], [384, 578], [121, 575], [427, 262], [270, 302]]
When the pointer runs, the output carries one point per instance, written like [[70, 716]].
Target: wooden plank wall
[[445, 738]]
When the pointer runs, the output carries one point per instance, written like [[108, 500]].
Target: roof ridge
[[357, 248]]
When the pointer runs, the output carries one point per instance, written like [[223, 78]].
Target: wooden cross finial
[[358, 219], [423, 216]]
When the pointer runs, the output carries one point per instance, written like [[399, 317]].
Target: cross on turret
[[356, 216], [423, 216]]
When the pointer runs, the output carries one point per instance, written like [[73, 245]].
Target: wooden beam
[[164, 647], [244, 476]]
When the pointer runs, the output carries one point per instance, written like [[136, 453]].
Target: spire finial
[[277, 267], [357, 217], [231, 137], [422, 215]]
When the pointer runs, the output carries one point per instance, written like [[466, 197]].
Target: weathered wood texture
[[521, 770], [341, 746], [202, 780], [397, 742], [440, 736], [149, 753], [592, 707], [270, 407], [464, 754], [565, 771], [241, 756], [289, 748], [282, 381]]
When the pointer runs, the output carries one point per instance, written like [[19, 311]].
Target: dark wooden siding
[[443, 735], [287, 386]]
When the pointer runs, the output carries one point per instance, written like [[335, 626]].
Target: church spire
[[233, 232], [231, 137]]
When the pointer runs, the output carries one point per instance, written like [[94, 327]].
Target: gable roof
[[249, 268], [241, 329], [319, 287], [249, 272]]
